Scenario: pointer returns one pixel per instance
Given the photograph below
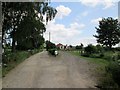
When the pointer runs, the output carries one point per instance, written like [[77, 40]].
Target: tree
[[79, 46], [99, 48], [29, 33], [108, 32], [90, 49], [15, 12]]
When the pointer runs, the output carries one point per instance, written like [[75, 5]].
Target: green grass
[[105, 79], [100, 64], [98, 61], [16, 58], [0, 72]]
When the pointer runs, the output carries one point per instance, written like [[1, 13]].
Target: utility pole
[[49, 36]]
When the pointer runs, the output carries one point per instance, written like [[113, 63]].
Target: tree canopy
[[24, 21], [108, 32]]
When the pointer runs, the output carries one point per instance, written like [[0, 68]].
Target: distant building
[[60, 46], [65, 47]]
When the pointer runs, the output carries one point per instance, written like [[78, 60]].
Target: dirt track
[[44, 71]]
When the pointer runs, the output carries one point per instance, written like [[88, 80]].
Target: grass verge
[[99, 64], [99, 61], [13, 59], [105, 79]]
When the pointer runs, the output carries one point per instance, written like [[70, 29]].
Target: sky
[[76, 20]]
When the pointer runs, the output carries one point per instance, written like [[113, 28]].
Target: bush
[[95, 55], [107, 82], [108, 57], [118, 48], [99, 49], [114, 69], [90, 49], [111, 56], [85, 54], [111, 78], [101, 55]]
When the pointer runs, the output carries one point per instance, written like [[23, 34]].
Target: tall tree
[[29, 32], [108, 32], [15, 12]]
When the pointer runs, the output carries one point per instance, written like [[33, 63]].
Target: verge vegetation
[[10, 60]]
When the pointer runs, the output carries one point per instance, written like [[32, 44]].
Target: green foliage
[[108, 32], [111, 56], [50, 45], [21, 21], [107, 82], [78, 47], [30, 37], [99, 61], [90, 49], [118, 48], [114, 69], [99, 48], [109, 68], [95, 55], [109, 71], [13, 59]]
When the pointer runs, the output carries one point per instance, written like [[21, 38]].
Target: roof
[[59, 44]]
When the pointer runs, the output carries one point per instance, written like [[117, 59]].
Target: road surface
[[45, 71]]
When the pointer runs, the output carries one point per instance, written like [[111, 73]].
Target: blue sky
[[75, 22]]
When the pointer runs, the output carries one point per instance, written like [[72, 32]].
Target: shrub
[[108, 57], [107, 82], [114, 69], [111, 56], [90, 49], [118, 48], [95, 55], [101, 55], [111, 78], [99, 49]]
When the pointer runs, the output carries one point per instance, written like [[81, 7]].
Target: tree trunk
[[13, 41], [110, 46]]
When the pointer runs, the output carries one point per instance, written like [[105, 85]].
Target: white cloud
[[62, 34], [108, 4], [93, 3], [62, 11], [85, 13], [96, 21], [86, 40]]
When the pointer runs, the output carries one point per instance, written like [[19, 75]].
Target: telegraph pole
[[49, 36]]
